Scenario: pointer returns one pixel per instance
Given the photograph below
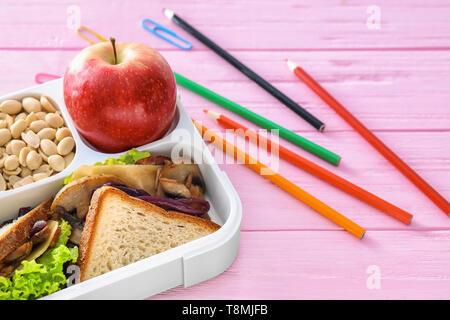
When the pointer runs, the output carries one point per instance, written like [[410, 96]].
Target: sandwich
[[121, 229], [33, 253], [113, 213]]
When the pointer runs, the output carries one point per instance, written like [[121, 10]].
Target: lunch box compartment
[[187, 264]]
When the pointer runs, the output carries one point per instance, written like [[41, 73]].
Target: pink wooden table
[[393, 73]]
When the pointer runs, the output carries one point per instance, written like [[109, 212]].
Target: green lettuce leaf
[[35, 279], [68, 179], [131, 157]]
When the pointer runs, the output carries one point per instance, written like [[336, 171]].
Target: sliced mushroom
[[174, 189], [41, 236], [188, 181], [138, 177], [157, 160], [159, 190], [18, 232], [76, 196], [71, 219], [41, 248], [75, 236], [20, 253], [187, 174], [196, 192], [158, 174]]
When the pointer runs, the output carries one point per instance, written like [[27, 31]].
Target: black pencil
[[316, 123]]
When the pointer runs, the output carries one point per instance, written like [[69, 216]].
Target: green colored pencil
[[257, 119]]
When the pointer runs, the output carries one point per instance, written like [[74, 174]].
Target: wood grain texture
[[295, 268], [262, 25], [376, 87], [395, 80]]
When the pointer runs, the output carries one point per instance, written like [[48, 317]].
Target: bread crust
[[20, 231], [97, 201]]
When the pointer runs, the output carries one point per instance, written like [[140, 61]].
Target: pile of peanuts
[[34, 142]]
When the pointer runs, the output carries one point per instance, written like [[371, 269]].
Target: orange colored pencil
[[395, 160], [313, 168], [281, 182]]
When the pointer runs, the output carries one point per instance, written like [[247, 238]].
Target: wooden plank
[[384, 90], [331, 265], [275, 25]]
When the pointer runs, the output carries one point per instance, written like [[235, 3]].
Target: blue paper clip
[[157, 26]]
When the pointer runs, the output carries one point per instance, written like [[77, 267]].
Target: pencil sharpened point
[[291, 65], [168, 13], [213, 115]]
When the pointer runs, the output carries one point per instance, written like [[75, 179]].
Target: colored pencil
[[395, 160], [280, 181], [316, 123], [313, 168], [259, 120]]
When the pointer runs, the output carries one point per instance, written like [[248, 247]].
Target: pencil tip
[[213, 115], [291, 65], [168, 13]]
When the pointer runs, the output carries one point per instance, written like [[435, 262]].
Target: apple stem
[[113, 42]]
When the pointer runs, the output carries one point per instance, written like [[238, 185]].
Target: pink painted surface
[[394, 79]]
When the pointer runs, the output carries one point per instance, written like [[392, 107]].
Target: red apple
[[120, 95]]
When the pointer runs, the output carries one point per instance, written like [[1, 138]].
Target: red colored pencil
[[314, 169], [409, 173], [280, 181]]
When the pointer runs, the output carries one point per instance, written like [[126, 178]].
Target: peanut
[[5, 136], [65, 146], [31, 104], [54, 120], [47, 105], [47, 133], [17, 128], [11, 162], [34, 160], [56, 162], [49, 147], [38, 125], [11, 106], [34, 141]]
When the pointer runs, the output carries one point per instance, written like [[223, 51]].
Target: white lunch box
[[187, 264]]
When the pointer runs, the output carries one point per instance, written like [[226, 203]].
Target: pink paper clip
[[44, 77]]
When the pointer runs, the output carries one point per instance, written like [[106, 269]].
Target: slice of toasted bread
[[120, 230], [16, 233]]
